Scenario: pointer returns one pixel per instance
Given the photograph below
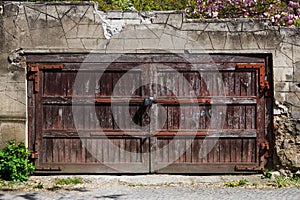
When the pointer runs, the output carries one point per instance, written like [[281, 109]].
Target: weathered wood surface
[[195, 101]]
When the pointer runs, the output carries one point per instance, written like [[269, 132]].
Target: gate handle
[[148, 101]]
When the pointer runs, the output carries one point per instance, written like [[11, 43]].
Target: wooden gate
[[147, 113]]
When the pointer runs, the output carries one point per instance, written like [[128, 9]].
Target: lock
[[148, 101]]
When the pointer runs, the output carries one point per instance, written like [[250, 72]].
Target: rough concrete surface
[[152, 187]]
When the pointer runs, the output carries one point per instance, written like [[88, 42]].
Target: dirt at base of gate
[[89, 182]]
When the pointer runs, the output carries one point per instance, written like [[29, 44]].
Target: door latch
[[148, 101]]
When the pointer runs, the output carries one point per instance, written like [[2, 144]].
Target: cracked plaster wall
[[79, 27]]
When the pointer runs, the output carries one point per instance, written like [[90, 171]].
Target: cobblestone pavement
[[153, 187]]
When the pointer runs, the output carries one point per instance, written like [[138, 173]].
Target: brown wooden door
[[204, 113]]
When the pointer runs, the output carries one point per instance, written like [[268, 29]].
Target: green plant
[[238, 183], [267, 174], [68, 181], [39, 186], [14, 162]]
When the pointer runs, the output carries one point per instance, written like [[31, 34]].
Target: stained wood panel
[[206, 115]]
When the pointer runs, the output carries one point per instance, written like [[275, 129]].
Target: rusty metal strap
[[33, 72]]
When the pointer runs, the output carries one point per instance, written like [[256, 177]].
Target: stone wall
[[79, 27]]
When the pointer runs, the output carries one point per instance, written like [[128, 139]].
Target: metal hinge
[[264, 85], [33, 72]]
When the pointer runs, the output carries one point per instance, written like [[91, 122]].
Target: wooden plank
[[142, 58]]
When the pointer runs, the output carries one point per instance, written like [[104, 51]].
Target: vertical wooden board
[[225, 78], [189, 149], [82, 152], [236, 117], [123, 152], [244, 83], [68, 118], [49, 150], [73, 148], [233, 151], [105, 84], [105, 116], [237, 85], [228, 150], [231, 84], [245, 150], [89, 151], [71, 77], [239, 150], [61, 150], [242, 113], [216, 150], [195, 150], [174, 122], [67, 150], [99, 153], [222, 150], [106, 150], [181, 158], [116, 150], [118, 89], [206, 84], [47, 117], [55, 154], [171, 150], [134, 150], [208, 119], [209, 149]]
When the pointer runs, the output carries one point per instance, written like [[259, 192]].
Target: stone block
[[88, 17], [282, 87], [115, 44], [114, 14], [132, 21], [102, 43], [296, 54], [261, 38], [51, 11], [194, 26], [56, 38], [234, 26], [90, 43], [86, 31], [63, 10], [273, 39], [150, 43], [220, 26], [132, 44], [280, 96], [166, 42], [130, 15], [145, 34], [160, 18], [248, 41], [12, 131], [179, 43], [297, 72], [286, 49], [75, 43], [175, 20], [253, 26], [283, 74], [233, 41], [68, 24], [295, 112], [39, 38], [281, 60], [218, 39], [294, 86], [175, 32], [203, 41], [293, 98]]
